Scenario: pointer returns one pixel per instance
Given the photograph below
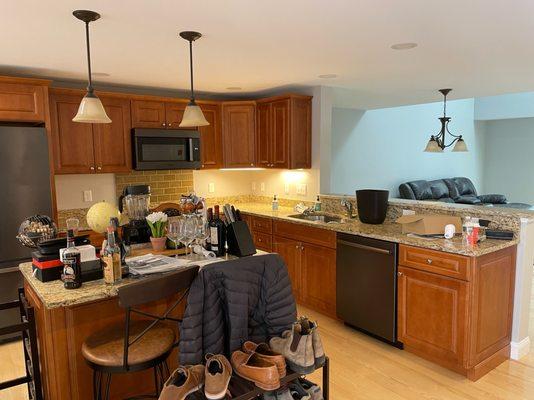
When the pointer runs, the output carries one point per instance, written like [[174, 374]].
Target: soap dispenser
[[318, 205], [275, 203]]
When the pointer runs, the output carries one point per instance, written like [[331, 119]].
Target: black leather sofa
[[449, 190]]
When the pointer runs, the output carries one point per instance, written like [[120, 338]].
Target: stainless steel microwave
[[166, 149]]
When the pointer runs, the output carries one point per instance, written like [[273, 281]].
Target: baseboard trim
[[519, 349]]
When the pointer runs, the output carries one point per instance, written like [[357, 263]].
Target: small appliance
[[136, 200], [166, 149]]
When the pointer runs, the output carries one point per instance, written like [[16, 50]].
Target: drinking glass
[[173, 231], [188, 231]]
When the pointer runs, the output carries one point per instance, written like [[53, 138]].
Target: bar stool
[[137, 345]]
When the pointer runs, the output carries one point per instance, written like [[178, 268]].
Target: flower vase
[[158, 244]]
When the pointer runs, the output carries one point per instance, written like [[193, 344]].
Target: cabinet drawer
[[263, 241], [261, 224], [438, 262], [304, 233]]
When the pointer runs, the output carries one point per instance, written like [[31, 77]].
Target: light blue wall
[[382, 148], [510, 159], [515, 105]]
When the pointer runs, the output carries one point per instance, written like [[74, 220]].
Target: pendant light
[[436, 144], [193, 115], [91, 109]]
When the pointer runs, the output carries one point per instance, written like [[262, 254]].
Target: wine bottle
[[217, 234], [72, 269], [111, 259]]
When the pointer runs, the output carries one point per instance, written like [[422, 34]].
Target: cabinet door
[[300, 133], [318, 277], [174, 113], [112, 142], [432, 316], [22, 102], [148, 114], [280, 134], [264, 135], [72, 141], [211, 137], [238, 133], [290, 251]]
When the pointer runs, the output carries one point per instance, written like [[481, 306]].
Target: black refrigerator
[[25, 191]]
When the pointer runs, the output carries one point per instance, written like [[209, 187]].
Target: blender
[[136, 200]]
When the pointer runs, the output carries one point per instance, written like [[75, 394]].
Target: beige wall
[[70, 188]]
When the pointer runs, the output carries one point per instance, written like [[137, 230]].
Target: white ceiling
[[477, 47]]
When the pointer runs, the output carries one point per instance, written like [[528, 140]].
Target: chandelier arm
[[449, 132]]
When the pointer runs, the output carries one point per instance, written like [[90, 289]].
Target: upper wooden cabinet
[[23, 100], [81, 148], [211, 152], [148, 114], [238, 133], [283, 135]]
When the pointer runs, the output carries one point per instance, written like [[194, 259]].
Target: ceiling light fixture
[[436, 144], [404, 46], [91, 109], [193, 115], [328, 76]]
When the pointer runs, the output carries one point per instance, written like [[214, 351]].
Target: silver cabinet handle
[[163, 124], [400, 273], [251, 164], [428, 261], [169, 124], [296, 246], [302, 247], [99, 168], [92, 168], [364, 247]]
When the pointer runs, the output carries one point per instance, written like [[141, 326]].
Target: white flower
[[157, 217]]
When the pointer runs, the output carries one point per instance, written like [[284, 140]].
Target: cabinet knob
[[259, 240], [169, 124], [92, 168], [251, 164], [163, 124], [428, 261], [302, 247], [297, 246], [99, 168], [400, 273]]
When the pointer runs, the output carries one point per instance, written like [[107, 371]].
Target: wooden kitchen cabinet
[[81, 148], [290, 251], [283, 135], [456, 310], [238, 133], [211, 151], [148, 114], [318, 278], [23, 100]]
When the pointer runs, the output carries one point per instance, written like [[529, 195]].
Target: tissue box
[[422, 224], [87, 252]]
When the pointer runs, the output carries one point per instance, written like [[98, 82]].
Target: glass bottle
[[72, 269], [111, 259]]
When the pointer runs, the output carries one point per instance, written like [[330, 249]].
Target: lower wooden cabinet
[[456, 312], [290, 251]]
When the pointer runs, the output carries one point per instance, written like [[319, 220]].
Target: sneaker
[[217, 375], [298, 392], [318, 350], [183, 381], [315, 392], [281, 394], [262, 350], [297, 347]]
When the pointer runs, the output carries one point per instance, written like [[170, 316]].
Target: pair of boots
[[301, 346]]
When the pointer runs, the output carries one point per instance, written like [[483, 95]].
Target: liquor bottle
[[72, 269], [217, 234], [111, 259], [209, 218], [114, 222]]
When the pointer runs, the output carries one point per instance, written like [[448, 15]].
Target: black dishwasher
[[367, 285]]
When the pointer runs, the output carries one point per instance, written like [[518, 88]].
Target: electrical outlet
[[408, 212], [87, 195], [211, 187], [286, 188], [302, 188], [262, 187]]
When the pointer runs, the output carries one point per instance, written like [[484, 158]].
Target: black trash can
[[372, 205]]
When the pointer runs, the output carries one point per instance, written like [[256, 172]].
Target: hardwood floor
[[364, 368]]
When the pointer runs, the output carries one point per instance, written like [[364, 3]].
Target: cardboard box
[[422, 224]]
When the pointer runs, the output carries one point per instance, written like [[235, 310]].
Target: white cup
[[450, 230]]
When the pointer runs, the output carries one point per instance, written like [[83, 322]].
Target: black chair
[[141, 344], [29, 340]]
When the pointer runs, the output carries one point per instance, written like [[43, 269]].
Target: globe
[[99, 214]]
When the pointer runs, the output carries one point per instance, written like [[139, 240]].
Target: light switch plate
[[87, 195], [302, 188], [211, 187], [286, 188]]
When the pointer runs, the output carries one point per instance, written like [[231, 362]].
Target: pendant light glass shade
[[91, 111], [193, 116], [460, 145], [433, 146]]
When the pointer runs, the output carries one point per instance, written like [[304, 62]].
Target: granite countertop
[[387, 231]]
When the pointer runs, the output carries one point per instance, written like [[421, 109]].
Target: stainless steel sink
[[317, 218]]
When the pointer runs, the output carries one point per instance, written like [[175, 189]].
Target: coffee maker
[[136, 200]]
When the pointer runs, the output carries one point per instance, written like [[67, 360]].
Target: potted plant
[[157, 221]]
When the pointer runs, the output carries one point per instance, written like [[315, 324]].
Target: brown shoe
[[297, 348], [217, 376], [263, 373], [262, 350], [182, 382]]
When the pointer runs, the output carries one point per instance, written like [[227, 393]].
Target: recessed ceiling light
[[404, 46], [100, 74], [233, 88], [328, 76]]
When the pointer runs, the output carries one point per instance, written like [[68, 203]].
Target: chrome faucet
[[348, 206]]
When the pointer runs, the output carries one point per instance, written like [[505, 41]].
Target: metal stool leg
[[97, 385], [108, 386]]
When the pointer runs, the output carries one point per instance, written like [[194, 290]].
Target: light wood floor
[[364, 368]]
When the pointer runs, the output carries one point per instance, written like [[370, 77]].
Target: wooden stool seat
[[106, 347]]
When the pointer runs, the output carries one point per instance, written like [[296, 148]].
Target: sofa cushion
[[421, 190], [465, 186], [453, 190], [439, 189], [468, 200], [492, 198]]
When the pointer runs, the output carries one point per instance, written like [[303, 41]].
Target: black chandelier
[[436, 144]]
